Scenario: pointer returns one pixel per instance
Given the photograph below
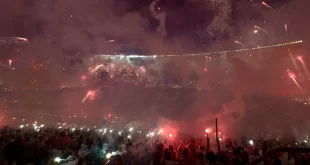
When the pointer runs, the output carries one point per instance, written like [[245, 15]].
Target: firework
[[285, 28], [304, 66], [294, 61], [261, 29], [293, 77], [13, 40], [6, 66], [83, 77], [268, 6], [10, 62], [88, 95], [240, 43]]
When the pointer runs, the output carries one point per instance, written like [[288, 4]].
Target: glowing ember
[[299, 57], [292, 75]]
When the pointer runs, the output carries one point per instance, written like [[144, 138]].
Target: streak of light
[[304, 66], [268, 6], [87, 96], [204, 54], [10, 62], [6, 66], [294, 61], [293, 77], [261, 29], [240, 43]]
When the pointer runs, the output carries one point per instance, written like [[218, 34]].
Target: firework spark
[[268, 6], [240, 43], [261, 29], [304, 66], [293, 77]]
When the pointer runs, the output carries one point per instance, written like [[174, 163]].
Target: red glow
[[109, 115], [83, 77], [205, 69], [291, 75], [89, 92], [299, 58], [207, 130], [170, 135], [10, 60]]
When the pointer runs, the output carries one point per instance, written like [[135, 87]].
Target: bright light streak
[[255, 31], [108, 156], [292, 76], [294, 61], [304, 66], [130, 129], [20, 38], [299, 58], [89, 94], [240, 43], [268, 6], [206, 53], [10, 62], [261, 29], [57, 159], [6, 66]]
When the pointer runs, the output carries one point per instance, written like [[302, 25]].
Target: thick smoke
[[83, 28]]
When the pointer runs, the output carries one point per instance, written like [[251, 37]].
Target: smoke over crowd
[[68, 39]]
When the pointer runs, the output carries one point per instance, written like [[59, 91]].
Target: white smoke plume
[[160, 16]]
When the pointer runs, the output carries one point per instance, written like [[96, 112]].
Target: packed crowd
[[68, 147]]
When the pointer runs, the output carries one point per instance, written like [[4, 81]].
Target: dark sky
[[183, 16]]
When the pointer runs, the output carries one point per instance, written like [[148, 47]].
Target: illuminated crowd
[[97, 146]]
